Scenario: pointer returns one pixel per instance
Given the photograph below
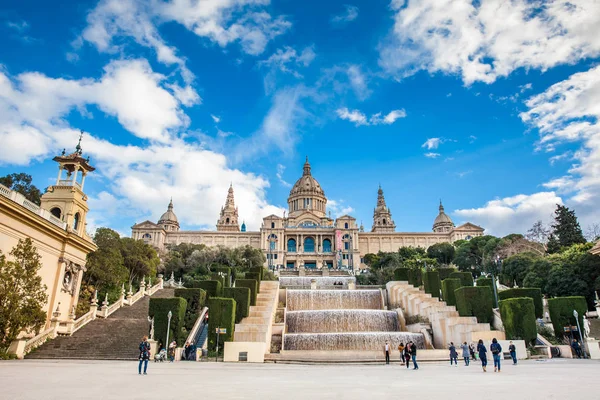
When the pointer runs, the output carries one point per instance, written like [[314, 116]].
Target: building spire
[[228, 218], [382, 216], [441, 207], [78, 148], [306, 167], [170, 207]]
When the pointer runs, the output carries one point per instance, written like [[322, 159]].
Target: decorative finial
[[64, 152], [78, 149]]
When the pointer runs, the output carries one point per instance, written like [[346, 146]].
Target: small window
[[56, 212], [383, 222], [272, 225], [346, 245], [346, 225], [243, 356], [227, 220], [76, 221]]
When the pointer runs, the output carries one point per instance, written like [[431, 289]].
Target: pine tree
[[22, 294], [565, 230]]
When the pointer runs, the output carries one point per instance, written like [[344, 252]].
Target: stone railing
[[83, 320], [40, 339], [21, 200]]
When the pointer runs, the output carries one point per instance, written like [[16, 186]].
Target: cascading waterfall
[[342, 320], [323, 282]]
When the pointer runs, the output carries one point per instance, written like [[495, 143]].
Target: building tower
[[66, 200], [228, 219], [442, 222], [168, 221], [307, 195], [382, 216]]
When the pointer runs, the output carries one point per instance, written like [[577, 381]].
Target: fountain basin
[[359, 341], [338, 321]]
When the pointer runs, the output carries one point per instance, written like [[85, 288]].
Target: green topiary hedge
[[256, 277], [259, 270], [431, 283], [401, 274], [414, 277], [227, 279], [483, 281], [475, 302], [534, 293], [449, 285], [251, 284], [221, 315], [159, 309], [218, 278], [561, 312], [518, 318], [466, 278], [212, 288], [241, 295], [445, 272], [195, 298]]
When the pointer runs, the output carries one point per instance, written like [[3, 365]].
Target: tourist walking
[[453, 354], [401, 350], [172, 348], [387, 352], [482, 354], [413, 354], [472, 350], [144, 355], [577, 347], [466, 351], [496, 350], [513, 352], [407, 355]]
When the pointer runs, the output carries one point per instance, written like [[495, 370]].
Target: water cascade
[[339, 321], [323, 282], [333, 300]]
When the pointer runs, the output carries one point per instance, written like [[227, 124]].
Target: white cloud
[[215, 118], [350, 14], [280, 171], [348, 77], [512, 214], [287, 60], [337, 208], [358, 81], [432, 143], [18, 26], [482, 41], [432, 155], [359, 118]]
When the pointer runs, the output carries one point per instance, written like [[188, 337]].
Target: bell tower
[[382, 215], [66, 199], [228, 219]]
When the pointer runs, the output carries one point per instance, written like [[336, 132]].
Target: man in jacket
[[513, 352], [413, 354]]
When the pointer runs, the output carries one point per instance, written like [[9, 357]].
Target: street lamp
[[498, 263], [169, 315], [272, 242], [576, 315]]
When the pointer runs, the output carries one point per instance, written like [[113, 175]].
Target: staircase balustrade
[[40, 339]]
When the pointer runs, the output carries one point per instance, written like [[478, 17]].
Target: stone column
[[129, 294], [160, 281], [94, 305]]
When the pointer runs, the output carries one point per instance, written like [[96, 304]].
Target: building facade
[[307, 236], [57, 230]]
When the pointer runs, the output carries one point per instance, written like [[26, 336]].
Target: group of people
[[407, 353], [468, 352]]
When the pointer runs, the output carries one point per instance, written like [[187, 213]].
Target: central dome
[[307, 194]]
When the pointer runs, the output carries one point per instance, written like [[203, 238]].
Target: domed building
[[307, 236]]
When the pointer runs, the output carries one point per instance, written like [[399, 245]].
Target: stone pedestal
[[153, 348], [313, 284], [593, 348]]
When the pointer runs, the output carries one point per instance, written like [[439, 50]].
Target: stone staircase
[[114, 338], [256, 327]]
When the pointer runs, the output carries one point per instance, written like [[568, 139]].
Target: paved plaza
[[65, 380]]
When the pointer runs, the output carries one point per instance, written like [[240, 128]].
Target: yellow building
[[307, 236], [57, 229]]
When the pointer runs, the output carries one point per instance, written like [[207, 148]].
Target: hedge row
[[241, 295], [534, 293], [251, 284], [259, 270], [518, 318], [414, 277], [445, 272], [222, 315], [254, 276], [449, 285], [561, 312], [401, 274], [431, 283], [482, 281], [466, 278], [218, 278], [228, 278], [475, 302], [195, 298], [159, 310], [212, 288]]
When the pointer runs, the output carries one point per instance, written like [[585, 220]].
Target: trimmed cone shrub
[[475, 302], [159, 310], [221, 313], [534, 293], [431, 283], [227, 278], [195, 298], [212, 287], [241, 295], [449, 285], [445, 272], [401, 274], [466, 278], [251, 284], [414, 277], [518, 318], [561, 312]]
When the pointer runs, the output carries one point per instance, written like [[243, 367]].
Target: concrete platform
[[70, 380]]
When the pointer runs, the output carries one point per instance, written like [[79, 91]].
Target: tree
[[22, 294], [139, 258], [477, 255], [442, 252], [516, 267], [592, 233], [387, 260], [21, 183], [105, 266], [515, 244], [538, 233], [370, 259], [565, 229], [537, 275]]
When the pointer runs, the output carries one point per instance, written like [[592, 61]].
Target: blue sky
[[491, 106]]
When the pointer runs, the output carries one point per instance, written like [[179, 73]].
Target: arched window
[[383, 221], [468, 237], [272, 239], [326, 246], [56, 212], [272, 225], [227, 220], [346, 225], [291, 245], [76, 221], [147, 236], [309, 245]]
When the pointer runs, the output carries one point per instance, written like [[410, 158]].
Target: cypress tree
[[565, 230]]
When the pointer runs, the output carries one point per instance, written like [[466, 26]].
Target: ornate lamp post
[[576, 315], [498, 264], [272, 245], [169, 315]]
